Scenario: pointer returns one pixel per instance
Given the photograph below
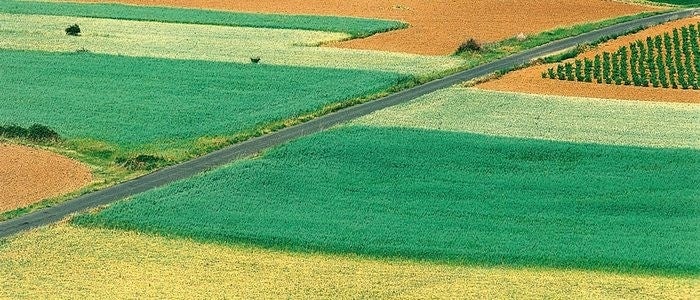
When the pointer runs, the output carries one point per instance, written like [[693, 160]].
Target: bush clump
[[141, 162], [471, 45], [35, 133], [73, 30]]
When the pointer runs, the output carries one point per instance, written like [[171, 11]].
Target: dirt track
[[28, 175], [530, 81], [437, 26]]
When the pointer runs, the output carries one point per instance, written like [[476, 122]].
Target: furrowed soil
[[529, 80], [437, 27], [28, 175]]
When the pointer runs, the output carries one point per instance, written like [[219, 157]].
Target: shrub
[[41, 133], [471, 45], [36, 133], [13, 131], [569, 68], [73, 30], [141, 162]]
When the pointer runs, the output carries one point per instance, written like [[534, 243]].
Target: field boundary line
[[255, 145]]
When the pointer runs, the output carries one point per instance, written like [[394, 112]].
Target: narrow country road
[[224, 156]]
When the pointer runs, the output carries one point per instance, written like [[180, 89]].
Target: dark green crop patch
[[443, 196]]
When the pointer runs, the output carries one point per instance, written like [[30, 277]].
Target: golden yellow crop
[[65, 261]]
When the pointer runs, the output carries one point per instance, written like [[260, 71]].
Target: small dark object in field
[[255, 60], [73, 30], [470, 45], [82, 50]]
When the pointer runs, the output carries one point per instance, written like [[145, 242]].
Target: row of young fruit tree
[[671, 60]]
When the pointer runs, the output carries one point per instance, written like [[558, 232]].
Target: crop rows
[[671, 60]]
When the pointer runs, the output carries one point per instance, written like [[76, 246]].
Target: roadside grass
[[442, 196], [72, 262], [207, 42], [557, 118], [356, 27]]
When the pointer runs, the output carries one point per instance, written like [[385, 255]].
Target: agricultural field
[[662, 61], [437, 27], [138, 102], [284, 47], [28, 175], [364, 190], [555, 118], [644, 81], [493, 191], [68, 261]]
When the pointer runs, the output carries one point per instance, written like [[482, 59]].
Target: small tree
[[73, 30]]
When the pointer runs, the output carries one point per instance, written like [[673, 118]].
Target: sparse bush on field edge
[[141, 162], [471, 45], [35, 133]]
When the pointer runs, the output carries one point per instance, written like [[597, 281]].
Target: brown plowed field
[[438, 27], [28, 175], [529, 80]]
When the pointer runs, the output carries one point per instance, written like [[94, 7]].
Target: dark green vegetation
[[35, 133], [671, 60], [140, 102], [443, 196], [357, 27], [678, 2]]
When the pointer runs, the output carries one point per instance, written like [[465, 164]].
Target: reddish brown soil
[[530, 80], [28, 175], [438, 27]]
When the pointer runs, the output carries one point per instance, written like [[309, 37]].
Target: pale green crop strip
[[613, 122], [206, 42]]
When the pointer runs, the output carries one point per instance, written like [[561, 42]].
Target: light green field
[[206, 42], [604, 121]]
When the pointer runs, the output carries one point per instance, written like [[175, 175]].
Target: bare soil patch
[[28, 175], [437, 27], [530, 80]]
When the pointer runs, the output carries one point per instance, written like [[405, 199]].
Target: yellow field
[[65, 261], [205, 42]]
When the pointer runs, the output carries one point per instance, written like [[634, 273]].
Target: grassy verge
[[357, 27], [451, 197]]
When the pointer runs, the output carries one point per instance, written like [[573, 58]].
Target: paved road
[[247, 148]]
